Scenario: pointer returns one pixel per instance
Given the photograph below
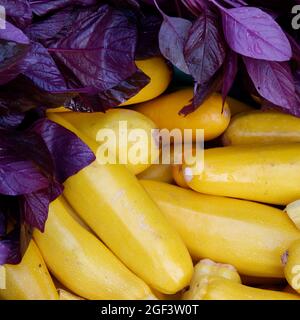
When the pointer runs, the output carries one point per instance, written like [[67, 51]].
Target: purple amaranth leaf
[[124, 91], [195, 6], [21, 95], [17, 12], [10, 247], [230, 72], [42, 70], [35, 206], [109, 98], [68, 152], [14, 46], [273, 81], [148, 31], [43, 7], [100, 49], [201, 93], [255, 34], [173, 35], [52, 28], [11, 120], [205, 48], [18, 174], [35, 209]]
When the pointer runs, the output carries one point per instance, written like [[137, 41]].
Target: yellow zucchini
[[258, 127], [30, 279], [221, 282], [237, 106], [247, 235], [263, 173], [160, 76], [82, 263], [291, 260], [209, 116]]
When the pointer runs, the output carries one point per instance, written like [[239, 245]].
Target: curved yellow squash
[[237, 106], [214, 288], [113, 203], [29, 280], [258, 127], [209, 116], [216, 281], [82, 263], [291, 259], [263, 173], [247, 235], [160, 76], [158, 172]]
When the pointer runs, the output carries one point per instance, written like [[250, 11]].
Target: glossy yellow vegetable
[[178, 176], [247, 235], [82, 263], [158, 172], [291, 260], [74, 214], [237, 106], [258, 127], [263, 173], [293, 211], [160, 76], [92, 125], [114, 204], [29, 280], [65, 295], [209, 116], [58, 110], [223, 285], [214, 288]]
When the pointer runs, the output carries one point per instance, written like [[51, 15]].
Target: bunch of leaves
[[220, 39], [80, 53]]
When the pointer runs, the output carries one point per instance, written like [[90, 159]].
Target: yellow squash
[[29, 280], [209, 116], [178, 176], [66, 295], [263, 173], [114, 204], [160, 76], [158, 172], [293, 211], [258, 127], [237, 106], [141, 146], [291, 260], [82, 263], [214, 288], [221, 282], [247, 235]]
